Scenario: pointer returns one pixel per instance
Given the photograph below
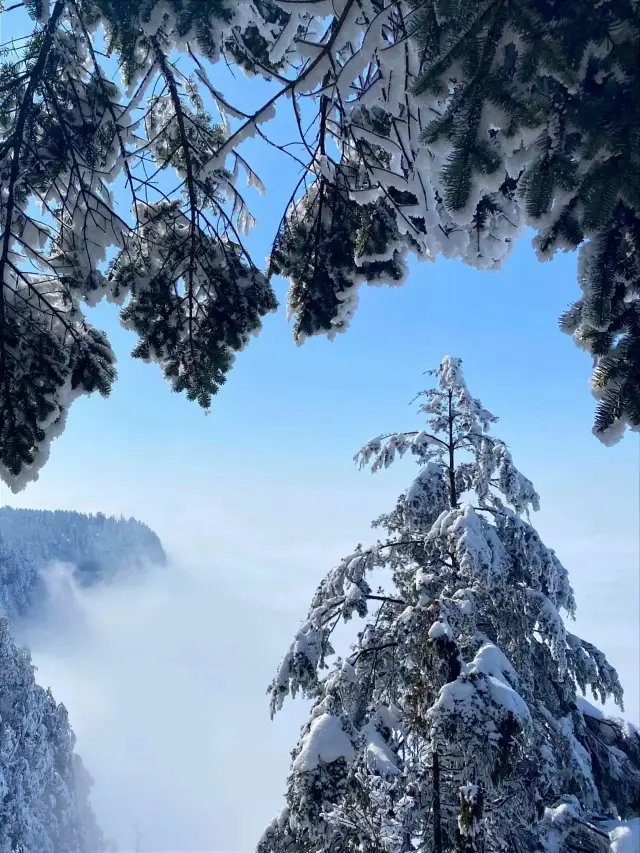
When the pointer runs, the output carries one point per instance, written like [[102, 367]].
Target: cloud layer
[[164, 678]]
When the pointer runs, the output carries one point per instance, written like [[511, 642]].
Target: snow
[[492, 661], [380, 757], [98, 546], [588, 709], [625, 836], [564, 812], [157, 14], [326, 742], [579, 753], [43, 783], [506, 698], [613, 434], [475, 543], [349, 673], [482, 693]]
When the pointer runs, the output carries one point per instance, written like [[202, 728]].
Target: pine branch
[[190, 182], [15, 143]]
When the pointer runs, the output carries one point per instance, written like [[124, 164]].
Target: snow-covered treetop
[[467, 501], [433, 128], [458, 427], [456, 714]]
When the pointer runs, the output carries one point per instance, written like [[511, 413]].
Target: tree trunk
[[437, 812]]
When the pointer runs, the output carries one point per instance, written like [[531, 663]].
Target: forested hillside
[[44, 787], [98, 546]]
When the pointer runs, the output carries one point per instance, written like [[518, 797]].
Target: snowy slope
[[97, 546]]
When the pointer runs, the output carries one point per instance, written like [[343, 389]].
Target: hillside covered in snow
[[44, 786], [97, 546]]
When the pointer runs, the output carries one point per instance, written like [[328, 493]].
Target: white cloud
[[165, 679]]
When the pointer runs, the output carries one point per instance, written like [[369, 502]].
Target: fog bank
[[164, 677]]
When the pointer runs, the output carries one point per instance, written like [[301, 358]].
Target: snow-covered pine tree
[[44, 788], [458, 720], [438, 127], [18, 581]]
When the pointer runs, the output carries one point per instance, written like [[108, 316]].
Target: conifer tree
[[430, 127], [458, 719], [44, 788]]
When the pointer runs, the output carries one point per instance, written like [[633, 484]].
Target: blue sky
[[262, 495]]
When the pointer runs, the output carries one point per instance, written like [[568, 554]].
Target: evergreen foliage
[[97, 546], [457, 721], [44, 788], [438, 127]]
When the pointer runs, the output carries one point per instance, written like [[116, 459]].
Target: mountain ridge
[[98, 547]]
